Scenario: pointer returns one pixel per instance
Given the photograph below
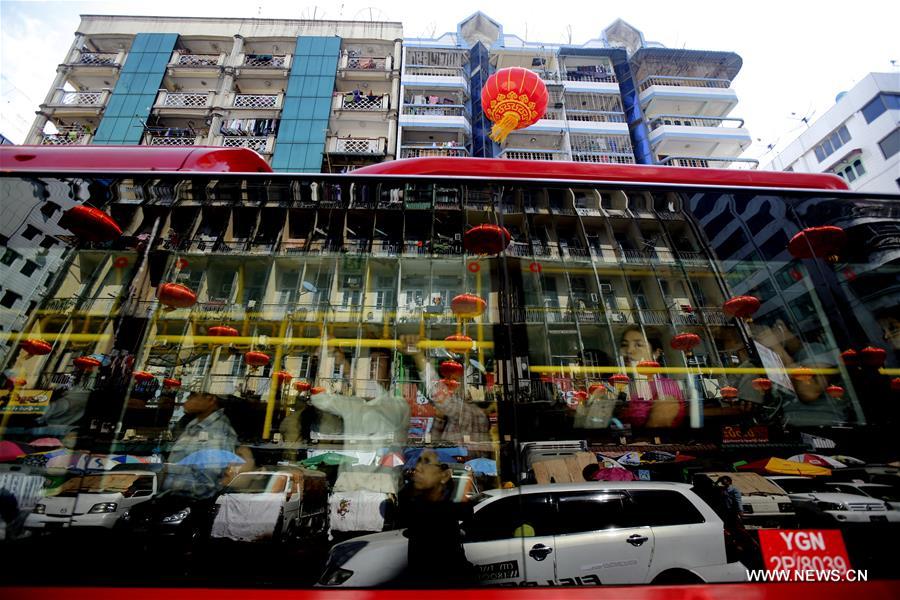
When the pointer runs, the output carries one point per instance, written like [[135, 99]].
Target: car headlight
[[178, 517], [40, 509], [830, 506], [747, 508], [785, 507], [104, 507], [340, 554]]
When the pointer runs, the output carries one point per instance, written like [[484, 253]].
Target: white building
[[857, 139]]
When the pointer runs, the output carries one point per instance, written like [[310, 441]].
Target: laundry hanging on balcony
[[249, 127], [513, 98]]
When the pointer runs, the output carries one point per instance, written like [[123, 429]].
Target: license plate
[[878, 518]]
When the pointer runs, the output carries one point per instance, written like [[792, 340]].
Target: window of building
[[47, 242], [850, 172], [879, 104], [891, 144], [830, 144], [49, 208], [9, 299], [30, 232], [9, 257], [28, 268], [4, 241]]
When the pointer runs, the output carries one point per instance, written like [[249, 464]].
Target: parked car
[[885, 474], [280, 503], [589, 533], [764, 503], [890, 494], [93, 500], [818, 504]]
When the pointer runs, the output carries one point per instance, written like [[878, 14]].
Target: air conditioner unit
[[606, 288], [595, 298], [457, 237], [354, 282], [617, 317]]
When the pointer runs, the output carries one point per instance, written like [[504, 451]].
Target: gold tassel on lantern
[[505, 126]]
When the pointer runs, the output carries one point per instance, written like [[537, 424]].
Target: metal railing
[[692, 259], [710, 163], [604, 75], [430, 71], [366, 63], [172, 140], [595, 116], [186, 99], [598, 157], [255, 101], [576, 253], [81, 98], [259, 144], [533, 154], [364, 103], [197, 60], [97, 59], [702, 82], [636, 256], [420, 151], [435, 110], [264, 61], [715, 316], [67, 136], [693, 121], [357, 146]]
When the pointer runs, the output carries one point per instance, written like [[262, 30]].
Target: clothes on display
[[249, 127]]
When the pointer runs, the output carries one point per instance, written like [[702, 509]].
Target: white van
[[765, 505], [92, 500]]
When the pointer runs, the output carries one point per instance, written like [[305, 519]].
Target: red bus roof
[[131, 158], [548, 169]]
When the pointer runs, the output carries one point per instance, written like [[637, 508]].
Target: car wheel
[[676, 577]]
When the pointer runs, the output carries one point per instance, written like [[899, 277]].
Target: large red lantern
[[486, 239], [872, 356], [513, 98], [451, 369], [221, 331], [594, 387], [91, 224], [647, 367], [835, 391], [86, 363], [459, 342], [824, 241], [762, 384], [170, 383], [729, 393], [256, 359], [36, 347], [850, 358], [316, 390], [175, 295], [302, 386], [467, 306], [741, 307], [450, 384], [802, 374], [283, 377], [142, 376], [895, 384], [685, 341]]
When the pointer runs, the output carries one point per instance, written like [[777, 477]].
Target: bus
[[554, 353]]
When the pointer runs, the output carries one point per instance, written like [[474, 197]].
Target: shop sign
[[804, 550], [24, 402], [758, 434]]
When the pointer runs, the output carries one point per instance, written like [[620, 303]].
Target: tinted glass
[[590, 511], [525, 515], [662, 508]]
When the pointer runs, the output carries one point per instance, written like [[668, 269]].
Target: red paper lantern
[[170, 383], [620, 380], [850, 358], [473, 267], [120, 262], [176, 295], [594, 387], [824, 241], [644, 365], [91, 224], [86, 363], [36, 347], [451, 369], [895, 384], [872, 356], [459, 342], [513, 98], [450, 384], [741, 307], [486, 239], [302, 386], [685, 341], [256, 359], [283, 377], [316, 390], [467, 306], [802, 374], [535, 267], [835, 391], [222, 331], [729, 393], [762, 384], [142, 376]]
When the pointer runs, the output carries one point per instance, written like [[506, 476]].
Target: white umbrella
[[818, 460], [848, 460]]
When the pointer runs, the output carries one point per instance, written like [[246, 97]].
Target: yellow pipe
[[542, 369], [270, 404]]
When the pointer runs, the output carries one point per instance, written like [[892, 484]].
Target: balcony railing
[[636, 256], [517, 154], [67, 136], [702, 82], [420, 151], [80, 98], [97, 59], [357, 146], [197, 60], [363, 103], [174, 137], [693, 259], [601, 157], [259, 144], [255, 101], [597, 74], [692, 121], [710, 163], [435, 110], [184, 99], [264, 61], [595, 116], [715, 316], [365, 63], [431, 71]]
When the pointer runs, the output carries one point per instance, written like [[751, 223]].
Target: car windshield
[[888, 493], [101, 484], [253, 483], [802, 486]]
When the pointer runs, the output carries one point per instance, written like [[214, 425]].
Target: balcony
[[183, 103], [263, 65], [520, 154], [589, 78], [195, 65], [423, 67], [707, 137], [429, 116], [354, 66], [361, 104], [67, 136], [260, 144], [171, 136], [694, 260], [353, 146], [421, 151], [261, 102], [696, 162], [613, 149], [74, 104], [705, 97]]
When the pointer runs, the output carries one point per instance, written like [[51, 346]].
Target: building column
[[398, 54], [392, 138]]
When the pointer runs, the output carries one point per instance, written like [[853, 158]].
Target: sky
[[797, 55]]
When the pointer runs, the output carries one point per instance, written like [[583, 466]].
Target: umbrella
[[848, 460], [328, 458], [614, 474], [657, 456], [46, 442], [211, 459], [818, 460], [779, 466], [483, 465], [394, 459], [630, 459], [63, 459], [128, 459], [447, 455], [608, 463], [10, 451]]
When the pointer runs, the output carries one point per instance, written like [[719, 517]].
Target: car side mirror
[[143, 493]]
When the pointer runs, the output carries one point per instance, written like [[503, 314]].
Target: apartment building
[[857, 139], [307, 95]]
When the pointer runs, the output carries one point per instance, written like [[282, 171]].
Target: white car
[[566, 534], [817, 502], [764, 503], [889, 494], [92, 500]]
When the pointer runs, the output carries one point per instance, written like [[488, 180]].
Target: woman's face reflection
[[634, 347]]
